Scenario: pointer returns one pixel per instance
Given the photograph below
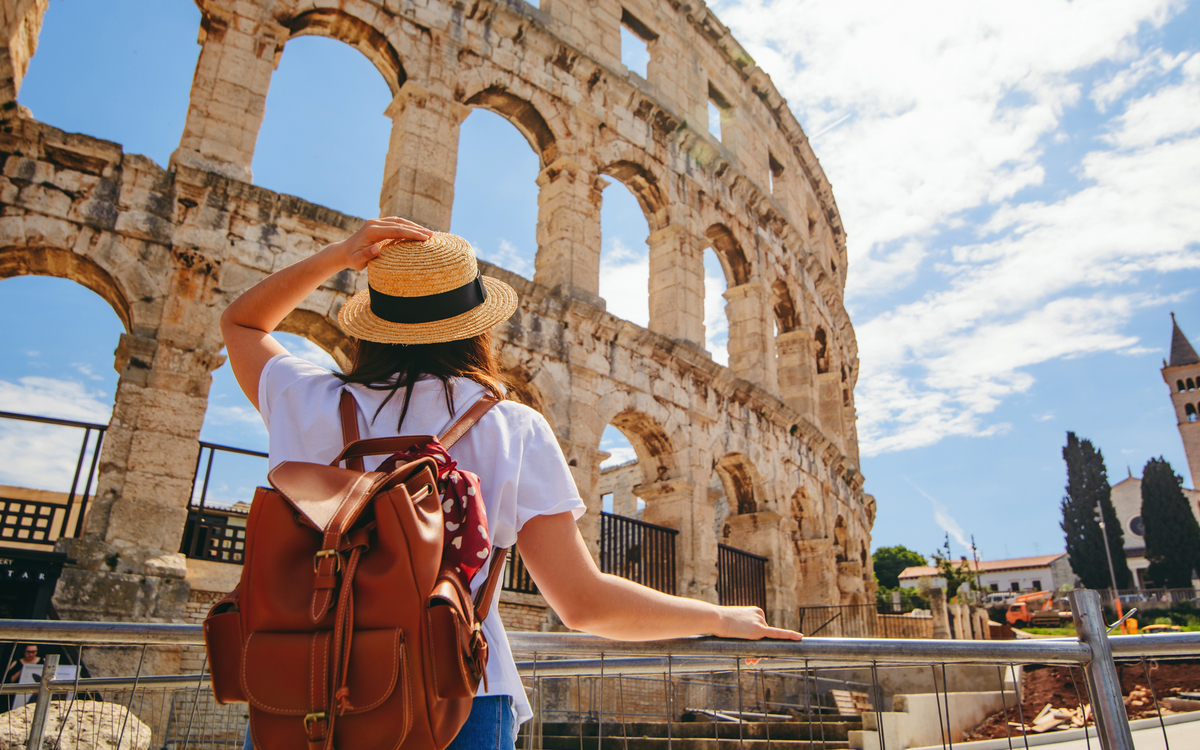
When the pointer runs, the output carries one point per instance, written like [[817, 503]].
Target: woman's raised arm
[[613, 607], [247, 323]]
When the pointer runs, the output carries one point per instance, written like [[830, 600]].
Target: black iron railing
[[638, 551], [516, 577], [212, 533], [214, 536], [741, 577], [42, 522]]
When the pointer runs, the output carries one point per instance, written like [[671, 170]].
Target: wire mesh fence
[[125, 685]]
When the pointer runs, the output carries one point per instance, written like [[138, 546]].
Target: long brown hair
[[390, 367]]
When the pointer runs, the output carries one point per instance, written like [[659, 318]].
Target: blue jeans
[[491, 726]]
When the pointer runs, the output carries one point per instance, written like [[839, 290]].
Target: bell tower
[[1182, 375]]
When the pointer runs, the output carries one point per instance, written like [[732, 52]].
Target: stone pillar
[[422, 158], [682, 505], [941, 616], [128, 561], [584, 462], [980, 620], [751, 340], [762, 534], [815, 572], [677, 285], [568, 230], [797, 372], [229, 92], [21, 21], [624, 500], [960, 627], [829, 406]]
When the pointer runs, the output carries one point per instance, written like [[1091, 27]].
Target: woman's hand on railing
[[750, 623]]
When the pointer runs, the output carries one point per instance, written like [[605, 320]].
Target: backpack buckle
[[327, 553], [313, 717]]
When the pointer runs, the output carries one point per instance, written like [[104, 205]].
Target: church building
[[1182, 376]]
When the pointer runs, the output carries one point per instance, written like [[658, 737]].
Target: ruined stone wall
[[170, 246]]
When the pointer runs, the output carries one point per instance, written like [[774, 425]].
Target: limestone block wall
[[170, 246]]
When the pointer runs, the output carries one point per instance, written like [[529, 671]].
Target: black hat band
[[429, 308]]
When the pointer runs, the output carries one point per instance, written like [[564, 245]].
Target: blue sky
[[1020, 183]]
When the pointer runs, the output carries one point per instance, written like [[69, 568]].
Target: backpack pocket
[[288, 676], [223, 639], [457, 649]]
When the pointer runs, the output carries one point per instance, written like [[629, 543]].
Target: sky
[[1019, 182]]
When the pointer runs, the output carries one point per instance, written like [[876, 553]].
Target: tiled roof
[[988, 566]]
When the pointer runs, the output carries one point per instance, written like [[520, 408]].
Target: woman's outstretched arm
[[247, 323], [613, 607]]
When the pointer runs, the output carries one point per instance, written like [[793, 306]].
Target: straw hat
[[426, 293]]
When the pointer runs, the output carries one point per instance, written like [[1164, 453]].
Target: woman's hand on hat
[[363, 246]]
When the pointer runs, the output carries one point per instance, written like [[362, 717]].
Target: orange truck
[[1036, 608]]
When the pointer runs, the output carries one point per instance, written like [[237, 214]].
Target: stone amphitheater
[[759, 456]]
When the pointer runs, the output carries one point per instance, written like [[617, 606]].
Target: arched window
[[1191, 384], [1180, 384], [822, 351], [1190, 412]]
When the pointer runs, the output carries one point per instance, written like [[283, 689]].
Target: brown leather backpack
[[344, 632]]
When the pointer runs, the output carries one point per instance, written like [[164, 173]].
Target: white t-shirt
[[512, 449]]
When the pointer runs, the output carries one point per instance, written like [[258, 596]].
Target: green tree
[[1088, 488], [955, 575], [1172, 535], [890, 562]]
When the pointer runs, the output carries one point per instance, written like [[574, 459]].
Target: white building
[[1041, 573], [1127, 501]]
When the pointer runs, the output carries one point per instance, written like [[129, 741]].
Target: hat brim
[[357, 319]]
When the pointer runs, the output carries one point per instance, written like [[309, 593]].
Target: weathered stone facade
[[170, 247]]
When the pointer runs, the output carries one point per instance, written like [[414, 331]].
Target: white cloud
[[44, 456], [305, 349], [942, 517], [509, 257], [618, 456], [953, 107], [716, 325], [624, 281], [50, 397]]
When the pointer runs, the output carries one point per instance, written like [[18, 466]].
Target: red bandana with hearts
[[466, 546]]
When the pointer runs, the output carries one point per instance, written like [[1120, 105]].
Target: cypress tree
[[1087, 488], [1172, 534]]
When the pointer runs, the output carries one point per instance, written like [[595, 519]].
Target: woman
[[423, 356]]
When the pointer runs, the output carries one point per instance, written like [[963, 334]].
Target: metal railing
[[516, 577], [591, 689], [741, 577], [638, 551], [211, 533], [43, 522]]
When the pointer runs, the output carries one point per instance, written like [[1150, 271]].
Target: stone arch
[[741, 481], [1189, 412], [64, 264], [522, 113], [338, 24], [1191, 385], [1179, 383], [646, 187], [786, 315], [841, 539], [654, 448], [520, 385], [733, 259], [821, 341], [322, 331]]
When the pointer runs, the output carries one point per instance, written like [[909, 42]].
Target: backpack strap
[[354, 448], [483, 597], [467, 421], [349, 412]]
